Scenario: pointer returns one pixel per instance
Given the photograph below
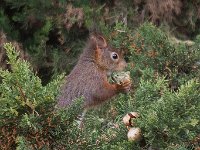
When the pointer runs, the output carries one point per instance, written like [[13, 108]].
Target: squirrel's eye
[[114, 55]]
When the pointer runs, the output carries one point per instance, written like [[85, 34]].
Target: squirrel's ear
[[98, 40]]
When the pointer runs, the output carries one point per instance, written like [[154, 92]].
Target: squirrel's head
[[106, 57]]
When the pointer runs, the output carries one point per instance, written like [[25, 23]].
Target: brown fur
[[89, 79]]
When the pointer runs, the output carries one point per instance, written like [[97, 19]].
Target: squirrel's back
[[83, 80]]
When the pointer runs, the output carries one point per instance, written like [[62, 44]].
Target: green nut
[[120, 77]]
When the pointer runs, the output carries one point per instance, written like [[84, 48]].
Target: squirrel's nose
[[123, 65]]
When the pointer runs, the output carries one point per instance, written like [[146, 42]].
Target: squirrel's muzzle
[[122, 65]]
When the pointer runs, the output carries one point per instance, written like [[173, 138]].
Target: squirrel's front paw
[[124, 86]]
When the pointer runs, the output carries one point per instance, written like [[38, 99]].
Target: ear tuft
[[98, 40]]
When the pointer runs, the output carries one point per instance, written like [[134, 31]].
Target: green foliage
[[22, 143], [151, 48], [168, 118], [5, 24], [166, 81], [166, 95], [22, 95], [21, 89]]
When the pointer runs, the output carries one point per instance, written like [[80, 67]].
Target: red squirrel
[[89, 78]]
